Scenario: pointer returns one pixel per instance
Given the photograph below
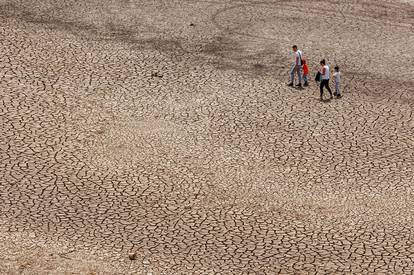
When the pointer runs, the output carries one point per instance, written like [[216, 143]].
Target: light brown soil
[[166, 129]]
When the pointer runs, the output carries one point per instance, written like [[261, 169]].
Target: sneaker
[[306, 84], [290, 84], [339, 96], [331, 97], [299, 85]]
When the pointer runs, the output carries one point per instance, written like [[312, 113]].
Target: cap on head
[[323, 62]]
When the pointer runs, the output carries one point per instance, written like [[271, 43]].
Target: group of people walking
[[323, 74]]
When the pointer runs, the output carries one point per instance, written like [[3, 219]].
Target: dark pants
[[325, 83]]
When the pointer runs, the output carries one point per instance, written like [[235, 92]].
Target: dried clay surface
[[159, 137]]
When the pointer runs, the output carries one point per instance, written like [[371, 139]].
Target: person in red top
[[305, 73]]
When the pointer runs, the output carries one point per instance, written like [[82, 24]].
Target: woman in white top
[[325, 75]]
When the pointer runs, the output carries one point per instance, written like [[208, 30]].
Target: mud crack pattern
[[165, 128]]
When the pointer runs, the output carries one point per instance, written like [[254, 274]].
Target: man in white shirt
[[296, 67]]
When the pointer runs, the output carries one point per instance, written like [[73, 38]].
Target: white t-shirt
[[337, 76], [298, 56], [326, 74]]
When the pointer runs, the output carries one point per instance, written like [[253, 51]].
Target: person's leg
[[305, 80], [338, 93], [321, 88], [292, 74], [299, 68], [328, 88]]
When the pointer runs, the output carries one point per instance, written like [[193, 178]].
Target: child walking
[[305, 73], [337, 77]]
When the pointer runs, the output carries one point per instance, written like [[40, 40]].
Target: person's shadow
[[325, 100]]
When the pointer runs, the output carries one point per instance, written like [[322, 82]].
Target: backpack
[[318, 76]]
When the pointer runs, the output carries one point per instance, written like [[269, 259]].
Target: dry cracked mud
[[165, 129]]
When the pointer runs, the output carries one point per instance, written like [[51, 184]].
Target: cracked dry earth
[[165, 128]]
